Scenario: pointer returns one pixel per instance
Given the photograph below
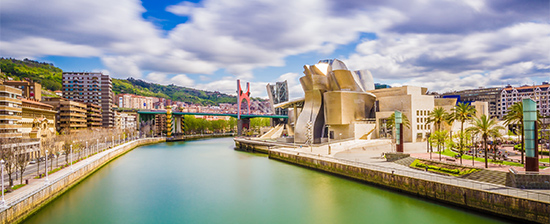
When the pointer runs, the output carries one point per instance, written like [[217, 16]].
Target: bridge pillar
[[169, 121], [177, 124], [242, 124], [146, 122]]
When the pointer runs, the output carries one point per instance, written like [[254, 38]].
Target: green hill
[[173, 92], [46, 74], [50, 77]]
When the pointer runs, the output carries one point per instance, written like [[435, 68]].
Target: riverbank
[[25, 202], [524, 205]]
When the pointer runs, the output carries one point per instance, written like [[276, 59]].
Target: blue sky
[[440, 44]]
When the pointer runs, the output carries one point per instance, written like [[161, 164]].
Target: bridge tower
[[242, 123], [168, 121]]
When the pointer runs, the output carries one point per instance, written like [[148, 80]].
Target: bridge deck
[[215, 114]]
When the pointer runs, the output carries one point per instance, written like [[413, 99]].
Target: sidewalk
[[372, 159], [36, 185]]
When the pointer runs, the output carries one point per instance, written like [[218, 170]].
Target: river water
[[206, 181]]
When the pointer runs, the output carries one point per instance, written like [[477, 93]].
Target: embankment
[[475, 199], [25, 206]]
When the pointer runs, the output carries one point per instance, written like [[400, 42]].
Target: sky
[[444, 45]]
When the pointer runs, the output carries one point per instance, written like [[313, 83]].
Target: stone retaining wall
[[34, 201], [502, 205], [528, 181]]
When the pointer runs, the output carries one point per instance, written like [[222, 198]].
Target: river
[[206, 181]]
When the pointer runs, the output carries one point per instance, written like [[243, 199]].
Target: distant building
[[29, 89], [10, 111], [489, 95], [71, 115], [278, 93], [125, 121], [91, 87], [510, 95], [381, 86], [134, 101], [58, 93], [93, 115]]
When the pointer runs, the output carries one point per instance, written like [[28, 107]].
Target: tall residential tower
[[91, 87]]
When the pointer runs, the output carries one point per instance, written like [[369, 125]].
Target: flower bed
[[447, 169]]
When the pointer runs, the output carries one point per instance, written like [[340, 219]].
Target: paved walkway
[[36, 185], [371, 159]]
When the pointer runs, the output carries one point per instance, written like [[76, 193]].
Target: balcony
[[13, 109], [11, 100], [10, 117]]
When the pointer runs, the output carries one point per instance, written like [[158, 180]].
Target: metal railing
[[455, 181], [18, 196]]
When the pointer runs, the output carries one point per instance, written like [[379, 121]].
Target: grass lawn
[[479, 159], [544, 160]]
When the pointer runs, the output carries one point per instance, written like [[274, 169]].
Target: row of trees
[[197, 125], [483, 127], [16, 155]]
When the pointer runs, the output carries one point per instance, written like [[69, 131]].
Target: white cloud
[[450, 61], [182, 80], [424, 42]]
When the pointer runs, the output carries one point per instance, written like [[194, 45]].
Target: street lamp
[[3, 201], [97, 146], [71, 153], [328, 135], [86, 148], [47, 180]]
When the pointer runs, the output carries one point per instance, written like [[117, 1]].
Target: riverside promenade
[[365, 163], [28, 199]]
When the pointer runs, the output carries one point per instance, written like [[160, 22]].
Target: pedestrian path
[[377, 163], [36, 185]]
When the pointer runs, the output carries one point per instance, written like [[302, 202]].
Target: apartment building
[[29, 89], [125, 121], [10, 111], [489, 95], [91, 87], [134, 101], [511, 95], [71, 115], [93, 115]]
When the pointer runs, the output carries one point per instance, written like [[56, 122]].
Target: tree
[[7, 147], [439, 138], [515, 116], [462, 112], [486, 128], [390, 123], [21, 160], [437, 117]]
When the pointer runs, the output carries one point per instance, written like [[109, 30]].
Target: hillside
[[173, 92], [50, 77], [46, 74]]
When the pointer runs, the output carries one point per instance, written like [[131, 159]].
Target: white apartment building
[[125, 121], [135, 102], [510, 95]]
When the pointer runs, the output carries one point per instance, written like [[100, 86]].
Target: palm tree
[[515, 116], [391, 121], [437, 116], [439, 137], [462, 112], [486, 128]]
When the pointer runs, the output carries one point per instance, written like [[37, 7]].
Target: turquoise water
[[206, 181]]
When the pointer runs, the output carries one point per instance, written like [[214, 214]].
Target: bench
[[450, 159]]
